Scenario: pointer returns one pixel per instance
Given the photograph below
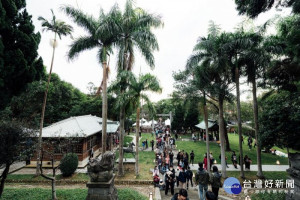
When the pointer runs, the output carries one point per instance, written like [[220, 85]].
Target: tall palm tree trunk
[[39, 147], [104, 107], [227, 146], [137, 140], [239, 119], [256, 127], [121, 153], [222, 137], [206, 129]]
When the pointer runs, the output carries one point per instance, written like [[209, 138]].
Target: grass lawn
[[251, 175], [127, 140], [199, 148], [62, 194], [146, 159]]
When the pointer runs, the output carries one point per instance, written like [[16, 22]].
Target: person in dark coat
[[182, 178], [171, 156], [146, 142], [202, 178], [170, 181], [247, 162], [182, 195], [152, 144], [250, 142], [215, 180], [192, 156], [189, 177], [234, 159]]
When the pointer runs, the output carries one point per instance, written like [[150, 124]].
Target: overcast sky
[[184, 21]]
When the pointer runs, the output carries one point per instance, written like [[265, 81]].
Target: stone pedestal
[[102, 190], [294, 172]]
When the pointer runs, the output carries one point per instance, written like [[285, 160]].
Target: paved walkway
[[14, 167]]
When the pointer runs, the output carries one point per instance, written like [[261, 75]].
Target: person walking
[[234, 159], [189, 177], [250, 142], [170, 180], [152, 144], [182, 178], [215, 180], [146, 142], [171, 156], [192, 156], [247, 162], [202, 179]]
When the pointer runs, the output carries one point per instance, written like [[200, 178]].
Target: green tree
[[178, 119], [253, 8], [16, 145], [136, 33], [237, 47], [58, 28], [137, 86], [192, 114], [102, 33], [18, 50], [62, 102], [279, 120], [211, 70]]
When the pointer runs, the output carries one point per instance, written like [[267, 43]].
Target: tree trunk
[[256, 127], [104, 107], [53, 181], [239, 119], [3, 178], [137, 140], [39, 146], [121, 153], [226, 138], [206, 129], [222, 137]]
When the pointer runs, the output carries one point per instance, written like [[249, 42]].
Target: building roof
[[80, 126], [211, 123]]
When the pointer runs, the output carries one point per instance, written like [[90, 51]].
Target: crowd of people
[[167, 174]]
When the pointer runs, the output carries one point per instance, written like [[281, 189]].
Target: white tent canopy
[[168, 122]]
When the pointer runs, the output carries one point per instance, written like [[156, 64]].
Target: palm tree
[[102, 34], [236, 48], [136, 32], [212, 70], [255, 60], [58, 28], [145, 82]]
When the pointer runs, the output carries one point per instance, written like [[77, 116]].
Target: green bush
[[62, 194], [268, 196], [69, 164]]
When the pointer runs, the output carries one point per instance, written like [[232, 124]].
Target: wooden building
[[81, 135], [213, 129]]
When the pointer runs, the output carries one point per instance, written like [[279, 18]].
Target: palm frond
[[81, 44]]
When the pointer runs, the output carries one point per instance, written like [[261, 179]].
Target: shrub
[[69, 164]]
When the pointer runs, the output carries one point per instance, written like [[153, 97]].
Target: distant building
[[213, 129], [81, 135]]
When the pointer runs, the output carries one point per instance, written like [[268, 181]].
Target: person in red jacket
[[205, 162]]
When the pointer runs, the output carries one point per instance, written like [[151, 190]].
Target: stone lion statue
[[101, 169]]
